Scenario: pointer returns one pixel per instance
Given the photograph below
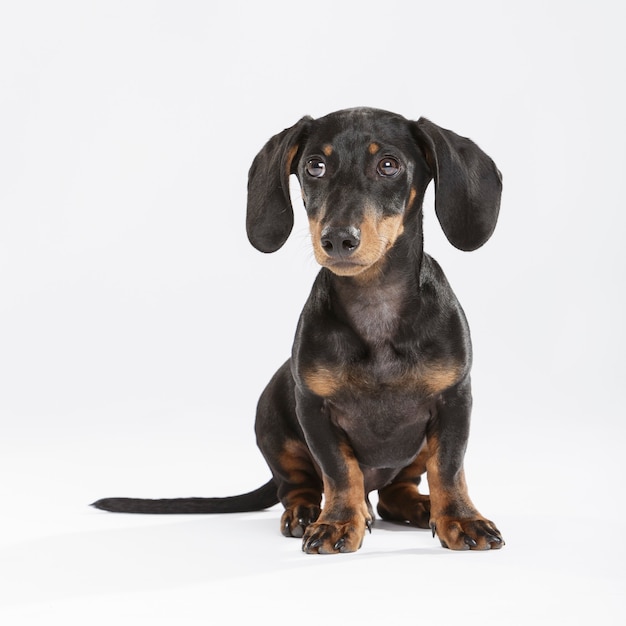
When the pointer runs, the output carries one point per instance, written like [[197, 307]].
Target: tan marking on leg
[[353, 496], [345, 516], [401, 501], [301, 493], [453, 516], [295, 461], [448, 495]]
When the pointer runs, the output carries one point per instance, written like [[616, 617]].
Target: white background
[[138, 326]]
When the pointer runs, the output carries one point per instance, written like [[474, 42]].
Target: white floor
[[63, 562]]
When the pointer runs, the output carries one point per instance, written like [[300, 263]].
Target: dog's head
[[363, 174]]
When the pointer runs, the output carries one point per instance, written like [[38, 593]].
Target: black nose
[[340, 241]]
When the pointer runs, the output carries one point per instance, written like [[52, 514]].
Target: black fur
[[377, 390]]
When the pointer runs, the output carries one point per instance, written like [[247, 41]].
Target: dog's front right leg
[[345, 515]]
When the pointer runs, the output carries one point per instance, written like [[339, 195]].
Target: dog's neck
[[374, 303]]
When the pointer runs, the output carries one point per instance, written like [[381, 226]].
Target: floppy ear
[[269, 219], [468, 185]]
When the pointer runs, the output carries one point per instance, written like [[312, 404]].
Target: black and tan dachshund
[[377, 389]]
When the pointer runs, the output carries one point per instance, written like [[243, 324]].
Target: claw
[[368, 524], [433, 527], [311, 545], [340, 544], [469, 541]]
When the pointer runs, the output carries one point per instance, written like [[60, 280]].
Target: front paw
[[467, 534], [333, 537]]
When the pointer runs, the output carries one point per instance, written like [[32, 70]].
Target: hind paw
[[295, 520]]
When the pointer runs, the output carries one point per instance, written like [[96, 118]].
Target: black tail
[[261, 498]]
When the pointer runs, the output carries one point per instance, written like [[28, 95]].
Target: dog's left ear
[[269, 219], [468, 185]]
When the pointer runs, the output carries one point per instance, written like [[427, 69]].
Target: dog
[[377, 390]]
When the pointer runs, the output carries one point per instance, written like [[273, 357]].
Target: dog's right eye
[[315, 167]]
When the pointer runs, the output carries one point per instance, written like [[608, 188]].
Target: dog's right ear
[[269, 219]]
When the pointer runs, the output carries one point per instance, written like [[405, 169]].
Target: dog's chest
[[377, 318], [374, 359], [378, 354]]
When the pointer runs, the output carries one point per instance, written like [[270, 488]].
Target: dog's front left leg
[[453, 516], [345, 514]]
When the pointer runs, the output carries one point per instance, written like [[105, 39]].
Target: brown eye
[[315, 167], [388, 167]]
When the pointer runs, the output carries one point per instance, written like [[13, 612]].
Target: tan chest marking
[[429, 379]]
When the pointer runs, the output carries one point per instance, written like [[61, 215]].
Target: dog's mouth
[[357, 264], [345, 268]]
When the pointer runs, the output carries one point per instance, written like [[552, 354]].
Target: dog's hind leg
[[299, 489], [297, 476], [401, 500]]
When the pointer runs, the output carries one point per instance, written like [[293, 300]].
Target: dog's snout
[[340, 241]]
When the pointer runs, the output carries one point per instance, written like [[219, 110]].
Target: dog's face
[[363, 174], [360, 172]]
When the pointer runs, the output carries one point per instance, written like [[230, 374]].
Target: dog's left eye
[[316, 167], [388, 167]]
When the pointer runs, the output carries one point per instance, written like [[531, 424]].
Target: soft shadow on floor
[[185, 551]]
